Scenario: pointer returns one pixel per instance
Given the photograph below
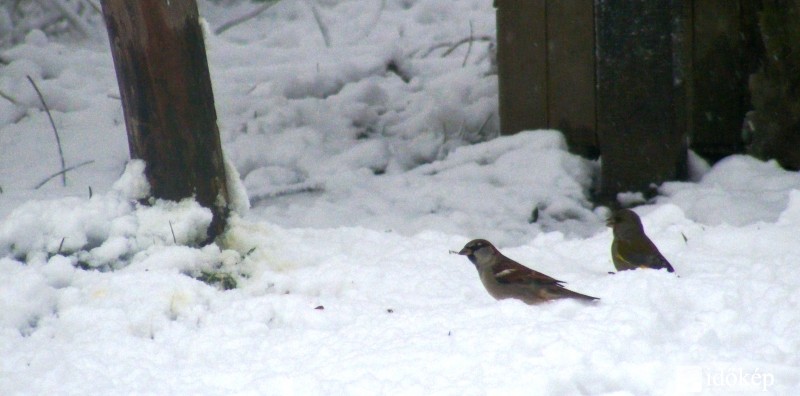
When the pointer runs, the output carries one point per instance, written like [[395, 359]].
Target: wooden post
[[545, 56], [641, 108], [522, 64], [571, 75], [163, 77], [721, 70]]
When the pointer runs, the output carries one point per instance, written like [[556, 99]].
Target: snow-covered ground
[[365, 162]]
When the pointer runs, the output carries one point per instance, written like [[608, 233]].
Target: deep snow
[[360, 184]]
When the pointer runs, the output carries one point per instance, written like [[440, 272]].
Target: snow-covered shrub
[[74, 18]]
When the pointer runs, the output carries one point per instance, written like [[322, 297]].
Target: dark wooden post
[[723, 58], [521, 64], [571, 75], [545, 56], [775, 121], [641, 107], [161, 67], [633, 81]]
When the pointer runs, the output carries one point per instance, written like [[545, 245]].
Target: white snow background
[[365, 162]]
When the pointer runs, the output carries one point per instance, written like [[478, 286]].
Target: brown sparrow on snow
[[505, 278]]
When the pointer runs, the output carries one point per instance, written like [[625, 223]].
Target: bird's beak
[[610, 221], [465, 252]]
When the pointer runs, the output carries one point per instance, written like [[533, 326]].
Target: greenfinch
[[631, 248], [505, 278]]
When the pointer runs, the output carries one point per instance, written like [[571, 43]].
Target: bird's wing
[[509, 272], [658, 261], [643, 255]]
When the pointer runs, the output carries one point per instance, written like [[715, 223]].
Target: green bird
[[631, 248]]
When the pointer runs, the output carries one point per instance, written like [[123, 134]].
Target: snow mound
[[738, 190], [507, 189], [103, 232]]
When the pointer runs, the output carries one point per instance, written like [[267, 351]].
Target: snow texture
[[362, 163]]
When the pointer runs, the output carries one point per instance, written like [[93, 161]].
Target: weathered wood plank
[[719, 85], [640, 106], [164, 82], [521, 61], [571, 74]]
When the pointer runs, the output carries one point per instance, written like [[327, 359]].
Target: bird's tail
[[579, 296], [562, 292]]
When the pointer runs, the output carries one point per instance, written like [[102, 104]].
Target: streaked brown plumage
[[505, 278]]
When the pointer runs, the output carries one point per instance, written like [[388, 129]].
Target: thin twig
[[61, 245], [244, 18], [43, 182], [376, 18], [53, 124], [298, 188], [8, 98], [69, 14], [464, 41], [430, 49], [461, 128], [469, 47], [485, 122], [19, 31], [323, 28], [451, 46], [94, 6], [174, 240]]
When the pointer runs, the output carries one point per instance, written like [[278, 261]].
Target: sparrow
[[631, 248], [505, 278]]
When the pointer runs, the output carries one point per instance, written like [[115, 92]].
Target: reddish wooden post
[[161, 67]]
